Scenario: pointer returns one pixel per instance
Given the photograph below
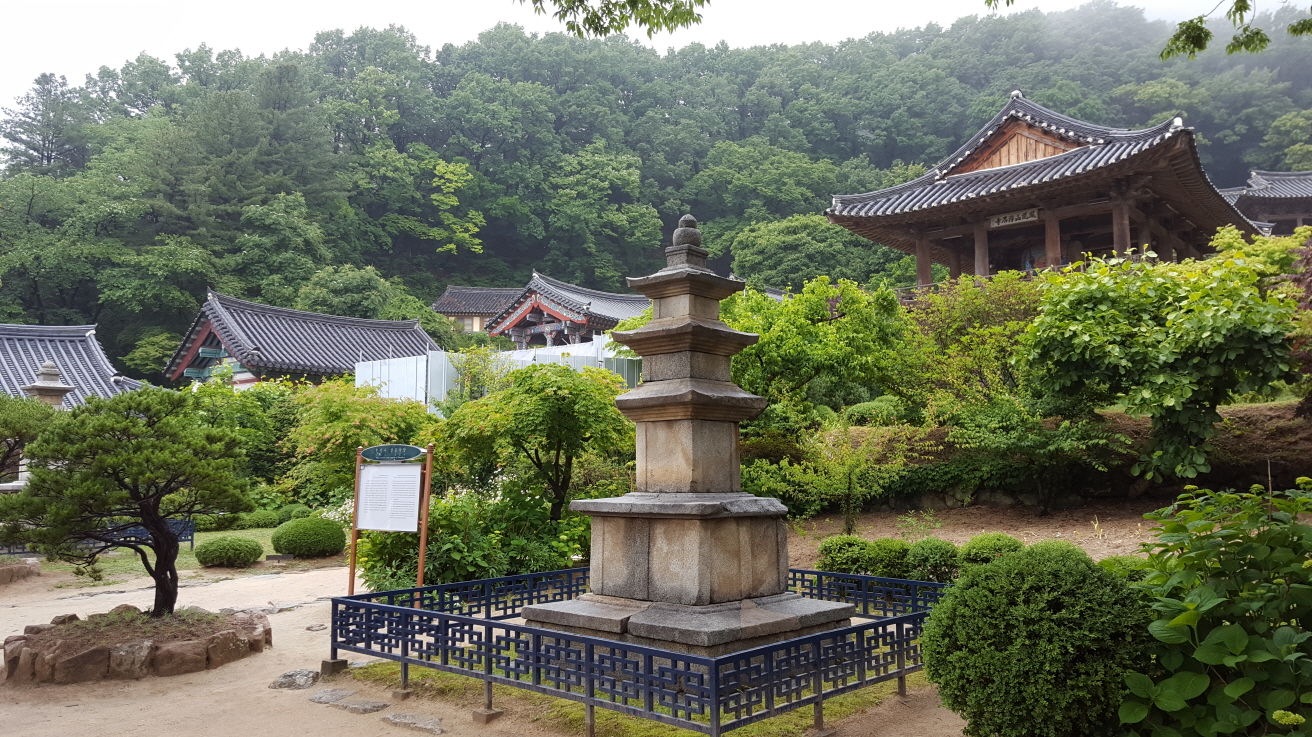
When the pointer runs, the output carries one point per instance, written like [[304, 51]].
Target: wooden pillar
[[1052, 239], [982, 248], [924, 267], [954, 262], [1120, 226]]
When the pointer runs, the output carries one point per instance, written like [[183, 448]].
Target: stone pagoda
[[688, 561]]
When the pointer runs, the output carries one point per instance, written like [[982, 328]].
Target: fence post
[[405, 651], [901, 661]]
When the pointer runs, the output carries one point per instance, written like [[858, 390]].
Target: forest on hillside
[[363, 174]]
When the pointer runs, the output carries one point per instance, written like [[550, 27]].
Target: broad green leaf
[[1164, 632], [1238, 687], [1278, 699], [1187, 685], [1132, 712], [1139, 684]]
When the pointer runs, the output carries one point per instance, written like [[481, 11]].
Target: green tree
[[785, 254], [605, 17], [352, 292], [136, 460], [829, 329], [331, 420], [44, 135], [22, 419], [152, 352], [1192, 36], [549, 416], [1173, 340]]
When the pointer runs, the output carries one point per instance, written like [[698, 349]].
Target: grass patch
[[567, 716], [123, 562], [119, 627]]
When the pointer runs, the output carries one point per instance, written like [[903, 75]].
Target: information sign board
[[389, 497], [392, 453], [1014, 218]]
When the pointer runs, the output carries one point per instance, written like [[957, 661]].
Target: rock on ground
[[331, 695], [296, 679], [417, 722], [362, 707]]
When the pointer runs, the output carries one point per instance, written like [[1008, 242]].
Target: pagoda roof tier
[[75, 352], [268, 339]]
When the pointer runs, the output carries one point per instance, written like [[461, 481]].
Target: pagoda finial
[[687, 250], [49, 386]]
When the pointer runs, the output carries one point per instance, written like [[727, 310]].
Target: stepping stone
[[331, 695], [296, 679], [417, 722], [362, 707]]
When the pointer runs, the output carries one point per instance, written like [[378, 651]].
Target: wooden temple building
[[1282, 199], [474, 307], [1035, 188], [544, 312], [258, 341]]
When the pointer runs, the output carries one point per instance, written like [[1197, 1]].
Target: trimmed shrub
[[1129, 567], [293, 511], [216, 522], [887, 558], [229, 551], [309, 537], [844, 554], [988, 547], [879, 412], [257, 520], [1036, 644], [932, 559]]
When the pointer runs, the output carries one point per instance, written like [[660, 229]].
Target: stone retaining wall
[[55, 661]]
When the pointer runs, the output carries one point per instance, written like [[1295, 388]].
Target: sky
[[84, 35]]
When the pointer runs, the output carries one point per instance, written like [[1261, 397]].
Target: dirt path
[[230, 701], [918, 714]]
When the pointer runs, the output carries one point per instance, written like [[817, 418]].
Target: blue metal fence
[[185, 529], [461, 628]]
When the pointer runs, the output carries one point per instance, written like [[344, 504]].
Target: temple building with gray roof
[[262, 341], [1036, 189]]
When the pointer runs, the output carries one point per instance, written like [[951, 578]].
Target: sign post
[[391, 495]]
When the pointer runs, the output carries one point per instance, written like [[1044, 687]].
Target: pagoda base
[[709, 630]]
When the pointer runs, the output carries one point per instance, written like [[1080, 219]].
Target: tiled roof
[[75, 352], [601, 304], [1273, 185], [1099, 146], [267, 338], [601, 310], [459, 301]]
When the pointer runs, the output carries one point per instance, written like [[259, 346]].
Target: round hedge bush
[[932, 559], [988, 547], [879, 412], [309, 537], [1036, 644], [259, 519], [229, 551], [293, 511], [843, 554], [1128, 567], [887, 558]]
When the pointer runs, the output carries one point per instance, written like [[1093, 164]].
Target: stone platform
[[710, 630]]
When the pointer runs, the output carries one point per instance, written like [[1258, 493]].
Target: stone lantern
[[49, 386], [688, 561]]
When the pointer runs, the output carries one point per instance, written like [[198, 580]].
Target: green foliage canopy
[[548, 416], [1173, 340], [1230, 588], [138, 459]]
